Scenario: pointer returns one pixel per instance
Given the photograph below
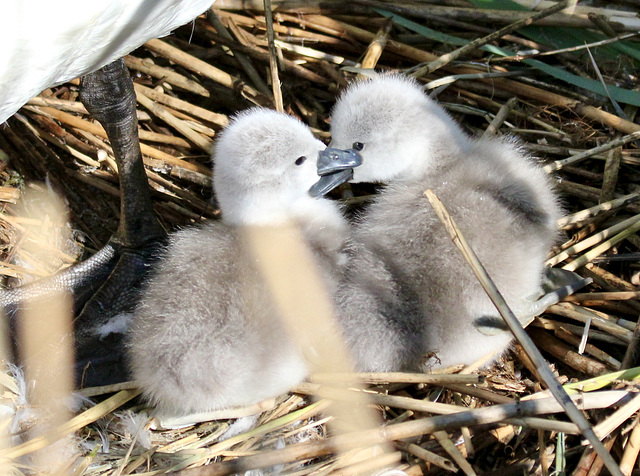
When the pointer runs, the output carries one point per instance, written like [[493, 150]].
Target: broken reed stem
[[376, 47], [427, 456], [521, 336], [178, 124], [592, 240], [500, 117], [201, 67], [273, 58], [564, 334], [397, 377], [618, 417], [598, 209], [244, 61], [443, 439], [598, 250], [449, 57], [395, 401], [558, 164], [631, 450]]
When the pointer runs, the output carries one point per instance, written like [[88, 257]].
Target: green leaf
[[625, 96]]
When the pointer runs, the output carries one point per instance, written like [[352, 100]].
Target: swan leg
[[105, 287], [109, 97]]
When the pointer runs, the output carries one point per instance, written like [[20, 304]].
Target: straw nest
[[544, 84]]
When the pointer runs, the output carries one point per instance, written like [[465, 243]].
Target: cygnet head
[[264, 166], [398, 130]]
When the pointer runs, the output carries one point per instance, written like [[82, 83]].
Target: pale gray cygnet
[[207, 334], [408, 294]]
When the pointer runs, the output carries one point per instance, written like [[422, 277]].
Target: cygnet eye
[[358, 146], [300, 160]]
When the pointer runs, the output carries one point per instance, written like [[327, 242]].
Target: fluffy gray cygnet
[[407, 292], [207, 335]]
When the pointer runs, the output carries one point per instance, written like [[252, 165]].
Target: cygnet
[[207, 334], [408, 297]]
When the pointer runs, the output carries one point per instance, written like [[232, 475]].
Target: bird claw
[[557, 284]]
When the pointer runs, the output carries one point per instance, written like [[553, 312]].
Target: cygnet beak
[[335, 166]]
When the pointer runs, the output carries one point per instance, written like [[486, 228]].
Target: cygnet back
[[408, 294], [207, 334]]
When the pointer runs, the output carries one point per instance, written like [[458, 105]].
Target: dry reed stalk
[[631, 450], [410, 429], [202, 68], [500, 117], [565, 354], [447, 445], [396, 377], [607, 426], [590, 349], [606, 245], [99, 131], [273, 59], [166, 75], [244, 61], [204, 144], [532, 352], [596, 210], [427, 456], [592, 240]]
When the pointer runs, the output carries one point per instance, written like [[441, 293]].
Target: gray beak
[[335, 166]]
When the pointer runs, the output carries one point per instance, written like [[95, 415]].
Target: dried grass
[[189, 84]]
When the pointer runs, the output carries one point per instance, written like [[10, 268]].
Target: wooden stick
[[514, 325]]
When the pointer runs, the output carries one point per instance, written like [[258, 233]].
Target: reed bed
[[562, 79]]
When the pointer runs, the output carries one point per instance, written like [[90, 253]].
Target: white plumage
[[208, 334], [48, 43], [408, 292]]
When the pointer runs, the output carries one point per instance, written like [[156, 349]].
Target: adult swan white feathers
[[207, 334], [48, 43], [408, 293]]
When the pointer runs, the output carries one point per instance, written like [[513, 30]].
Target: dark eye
[[300, 160], [358, 145]]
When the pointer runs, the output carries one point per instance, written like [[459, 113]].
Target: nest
[[566, 86]]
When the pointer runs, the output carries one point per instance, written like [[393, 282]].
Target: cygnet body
[[408, 295], [208, 335]]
